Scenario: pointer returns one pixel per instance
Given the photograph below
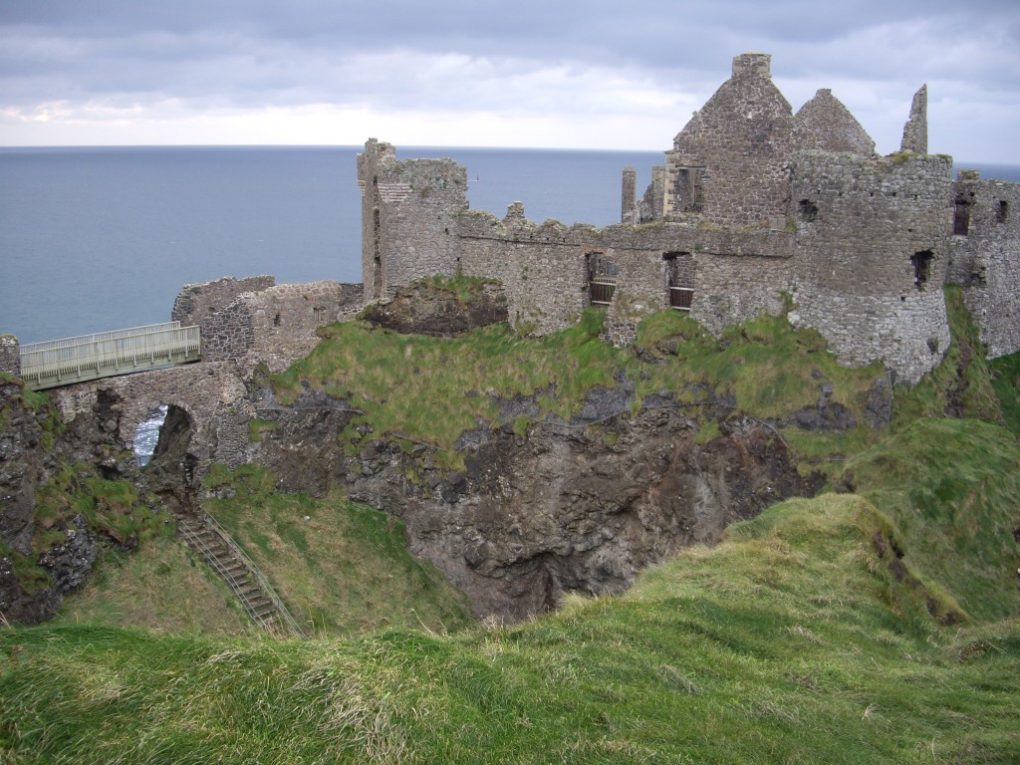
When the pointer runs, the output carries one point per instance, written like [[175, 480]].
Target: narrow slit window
[[1002, 212]]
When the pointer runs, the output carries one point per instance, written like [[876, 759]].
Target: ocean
[[93, 239]]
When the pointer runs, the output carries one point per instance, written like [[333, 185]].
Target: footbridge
[[71, 360]]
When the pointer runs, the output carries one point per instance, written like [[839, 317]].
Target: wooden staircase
[[221, 553]]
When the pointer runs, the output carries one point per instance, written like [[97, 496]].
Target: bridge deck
[[90, 357]]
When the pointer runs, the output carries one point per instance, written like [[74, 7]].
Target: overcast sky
[[612, 75]]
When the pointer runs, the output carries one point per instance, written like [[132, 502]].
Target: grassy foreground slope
[[800, 638]]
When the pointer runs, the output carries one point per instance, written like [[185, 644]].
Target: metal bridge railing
[[89, 357], [66, 342]]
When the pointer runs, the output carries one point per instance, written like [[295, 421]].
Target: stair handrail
[[255, 571], [210, 557]]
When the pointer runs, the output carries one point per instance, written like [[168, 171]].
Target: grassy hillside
[[161, 587], [341, 568], [876, 625], [962, 478], [800, 638]]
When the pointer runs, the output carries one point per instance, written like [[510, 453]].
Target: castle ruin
[[755, 206]]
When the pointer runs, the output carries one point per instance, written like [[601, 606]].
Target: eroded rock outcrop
[[441, 308], [578, 506]]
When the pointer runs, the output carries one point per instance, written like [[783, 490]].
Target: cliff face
[[567, 506], [62, 498], [21, 474]]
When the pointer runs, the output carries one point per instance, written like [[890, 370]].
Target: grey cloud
[[258, 53]]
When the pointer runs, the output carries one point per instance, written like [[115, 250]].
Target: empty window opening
[[319, 314], [922, 267], [601, 278], [1002, 212], [679, 279], [276, 320], [961, 217], [808, 210], [689, 190]]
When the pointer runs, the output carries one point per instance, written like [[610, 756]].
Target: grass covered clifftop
[[797, 639], [419, 389]]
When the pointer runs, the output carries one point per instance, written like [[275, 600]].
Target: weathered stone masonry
[[275, 325], [197, 301], [983, 258], [757, 203]]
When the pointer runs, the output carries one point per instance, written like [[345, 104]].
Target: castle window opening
[[376, 255], [922, 267], [961, 218], [1002, 213], [601, 278], [808, 210], [689, 190], [276, 320], [679, 279], [319, 314]]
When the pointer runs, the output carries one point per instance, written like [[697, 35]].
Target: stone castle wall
[[544, 269], [275, 325], [872, 254], [541, 268], [285, 318], [825, 124], [985, 260], [196, 301], [228, 334]]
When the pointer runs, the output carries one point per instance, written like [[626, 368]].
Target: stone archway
[[210, 398]]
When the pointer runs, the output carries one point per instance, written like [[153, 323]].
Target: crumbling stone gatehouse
[[754, 203]]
